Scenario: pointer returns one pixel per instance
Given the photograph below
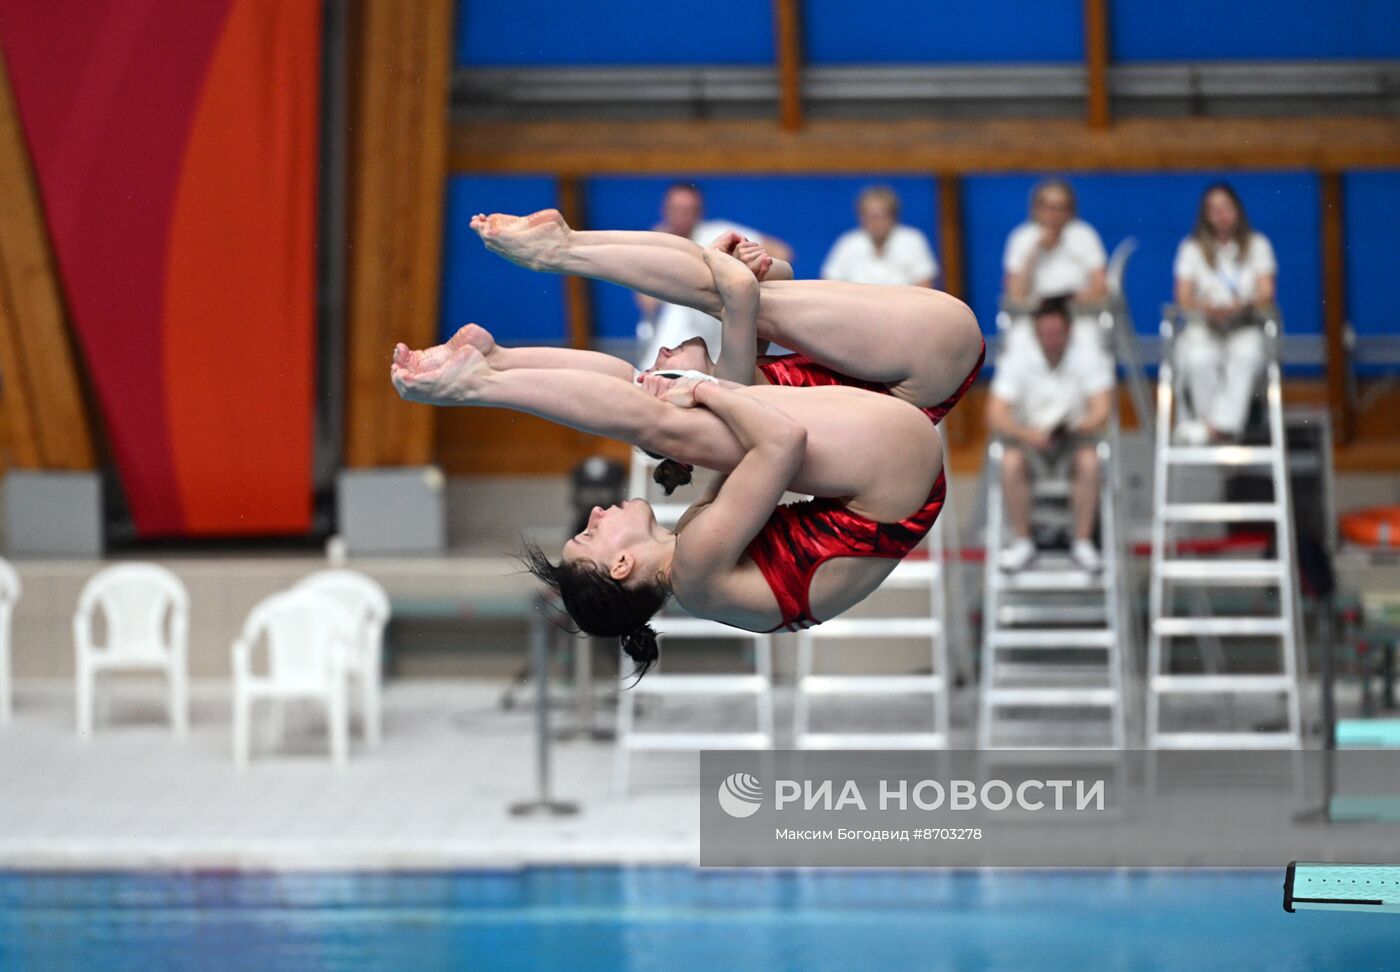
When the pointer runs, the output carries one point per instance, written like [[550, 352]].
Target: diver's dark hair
[[603, 607], [669, 474]]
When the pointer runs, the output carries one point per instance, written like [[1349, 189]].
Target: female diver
[[736, 556]]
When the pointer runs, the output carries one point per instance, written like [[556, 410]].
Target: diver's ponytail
[[669, 474], [640, 646]]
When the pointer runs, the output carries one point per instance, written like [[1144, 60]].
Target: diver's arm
[[738, 291]]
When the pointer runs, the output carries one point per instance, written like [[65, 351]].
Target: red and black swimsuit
[[800, 537]]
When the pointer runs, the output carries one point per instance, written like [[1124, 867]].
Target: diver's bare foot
[[458, 379], [477, 337], [537, 241]]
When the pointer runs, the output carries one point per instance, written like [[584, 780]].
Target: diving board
[[1342, 887]]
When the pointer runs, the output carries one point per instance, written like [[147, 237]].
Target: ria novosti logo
[[740, 795]]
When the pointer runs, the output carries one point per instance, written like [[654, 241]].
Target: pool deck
[[435, 796]]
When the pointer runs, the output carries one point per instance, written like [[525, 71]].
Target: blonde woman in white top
[[1224, 271]]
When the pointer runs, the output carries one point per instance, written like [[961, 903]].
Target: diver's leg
[[920, 342]]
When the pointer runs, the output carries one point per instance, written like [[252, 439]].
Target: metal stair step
[[662, 684], [1024, 674], [1224, 740], [870, 684], [1221, 455], [872, 740], [1054, 696], [1053, 638], [1220, 512], [1235, 571], [1041, 579], [1222, 683], [681, 627], [697, 740], [1066, 614], [877, 628], [1224, 627]]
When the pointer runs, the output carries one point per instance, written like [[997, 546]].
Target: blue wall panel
[[943, 31], [807, 212], [563, 32], [516, 305], [810, 212], [1159, 210], [1371, 202], [1188, 30]]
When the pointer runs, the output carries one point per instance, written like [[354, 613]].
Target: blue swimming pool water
[[678, 920]]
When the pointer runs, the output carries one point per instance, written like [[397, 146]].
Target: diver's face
[[610, 531], [688, 356]]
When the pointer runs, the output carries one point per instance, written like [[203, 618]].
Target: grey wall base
[[392, 511], [53, 514]]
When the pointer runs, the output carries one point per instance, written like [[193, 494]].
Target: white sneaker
[[1192, 432], [1018, 556], [1086, 555]]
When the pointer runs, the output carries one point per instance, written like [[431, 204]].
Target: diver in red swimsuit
[[736, 556], [800, 537]]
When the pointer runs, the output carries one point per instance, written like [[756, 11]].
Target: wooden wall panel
[[1096, 62], [787, 37], [42, 395], [955, 146], [401, 55]]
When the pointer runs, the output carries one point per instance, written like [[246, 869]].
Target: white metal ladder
[[929, 624], [674, 629], [1054, 636], [1195, 577]]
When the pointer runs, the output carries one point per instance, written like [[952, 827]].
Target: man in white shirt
[[1050, 401], [881, 250], [669, 325]]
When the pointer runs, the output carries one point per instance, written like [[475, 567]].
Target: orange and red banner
[[176, 148]]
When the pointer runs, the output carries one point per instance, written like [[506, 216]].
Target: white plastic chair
[[368, 605], [147, 613], [9, 596], [309, 638]]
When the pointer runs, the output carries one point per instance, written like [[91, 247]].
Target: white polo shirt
[[1043, 397], [906, 258], [1235, 277], [676, 324], [1064, 269]]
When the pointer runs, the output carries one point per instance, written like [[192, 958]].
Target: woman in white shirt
[[882, 250], [1224, 271]]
